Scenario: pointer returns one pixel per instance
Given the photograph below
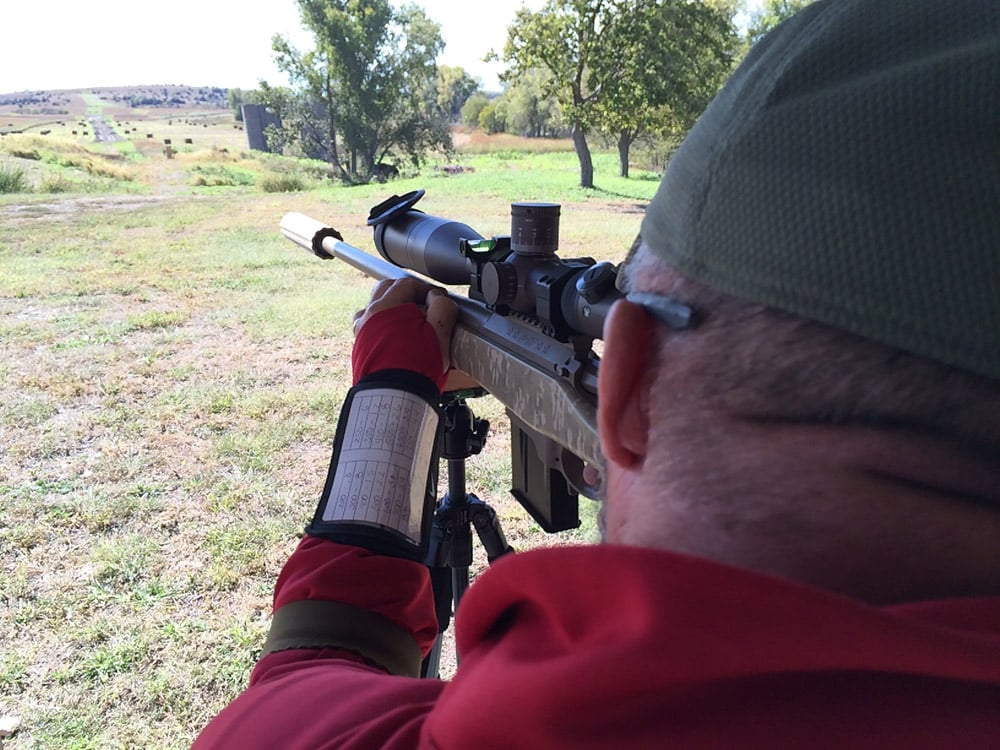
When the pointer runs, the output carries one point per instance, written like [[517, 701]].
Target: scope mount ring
[[392, 207]]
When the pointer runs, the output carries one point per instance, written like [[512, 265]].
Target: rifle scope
[[519, 273]]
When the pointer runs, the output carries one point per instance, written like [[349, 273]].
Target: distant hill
[[158, 96]]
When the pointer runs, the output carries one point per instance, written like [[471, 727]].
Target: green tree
[[310, 124], [620, 64], [529, 110], [679, 55], [769, 16], [575, 42], [453, 87], [304, 128], [492, 117], [236, 98], [361, 95], [472, 108]]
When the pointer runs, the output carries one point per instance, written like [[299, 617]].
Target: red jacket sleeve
[[334, 697], [398, 590]]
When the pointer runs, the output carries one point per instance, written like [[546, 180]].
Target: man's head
[[834, 218]]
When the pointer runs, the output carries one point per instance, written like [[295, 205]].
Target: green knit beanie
[[849, 172]]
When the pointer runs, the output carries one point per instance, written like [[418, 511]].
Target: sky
[[55, 44], [71, 44]]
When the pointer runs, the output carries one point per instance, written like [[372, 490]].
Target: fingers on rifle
[[380, 290], [441, 309], [389, 292], [392, 292], [441, 313]]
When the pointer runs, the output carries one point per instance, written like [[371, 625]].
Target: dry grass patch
[[69, 153], [477, 141]]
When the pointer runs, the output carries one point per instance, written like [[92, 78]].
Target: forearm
[[350, 618], [335, 596]]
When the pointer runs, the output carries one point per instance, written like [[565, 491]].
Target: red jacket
[[612, 647]]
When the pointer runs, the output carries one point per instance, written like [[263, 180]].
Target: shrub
[[58, 184], [281, 183], [13, 180], [99, 166], [215, 175], [21, 153]]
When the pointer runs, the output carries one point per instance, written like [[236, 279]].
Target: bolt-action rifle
[[525, 332]]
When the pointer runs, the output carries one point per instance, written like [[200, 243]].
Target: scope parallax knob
[[499, 283], [596, 281]]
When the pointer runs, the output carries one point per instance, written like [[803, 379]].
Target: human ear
[[626, 374]]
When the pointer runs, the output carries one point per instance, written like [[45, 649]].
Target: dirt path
[[103, 132]]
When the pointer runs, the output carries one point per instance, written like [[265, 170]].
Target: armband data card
[[384, 462]]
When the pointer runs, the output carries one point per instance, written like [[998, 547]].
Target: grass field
[[172, 373]]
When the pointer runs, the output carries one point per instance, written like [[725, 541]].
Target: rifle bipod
[[450, 553]]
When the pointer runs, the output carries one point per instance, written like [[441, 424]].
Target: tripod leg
[[450, 553], [430, 668], [488, 529], [441, 582]]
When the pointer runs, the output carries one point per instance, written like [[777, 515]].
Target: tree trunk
[[583, 154], [331, 135], [331, 128], [624, 144]]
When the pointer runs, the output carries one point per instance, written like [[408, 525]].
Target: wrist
[[380, 489]]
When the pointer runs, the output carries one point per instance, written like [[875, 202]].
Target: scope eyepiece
[[390, 207]]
